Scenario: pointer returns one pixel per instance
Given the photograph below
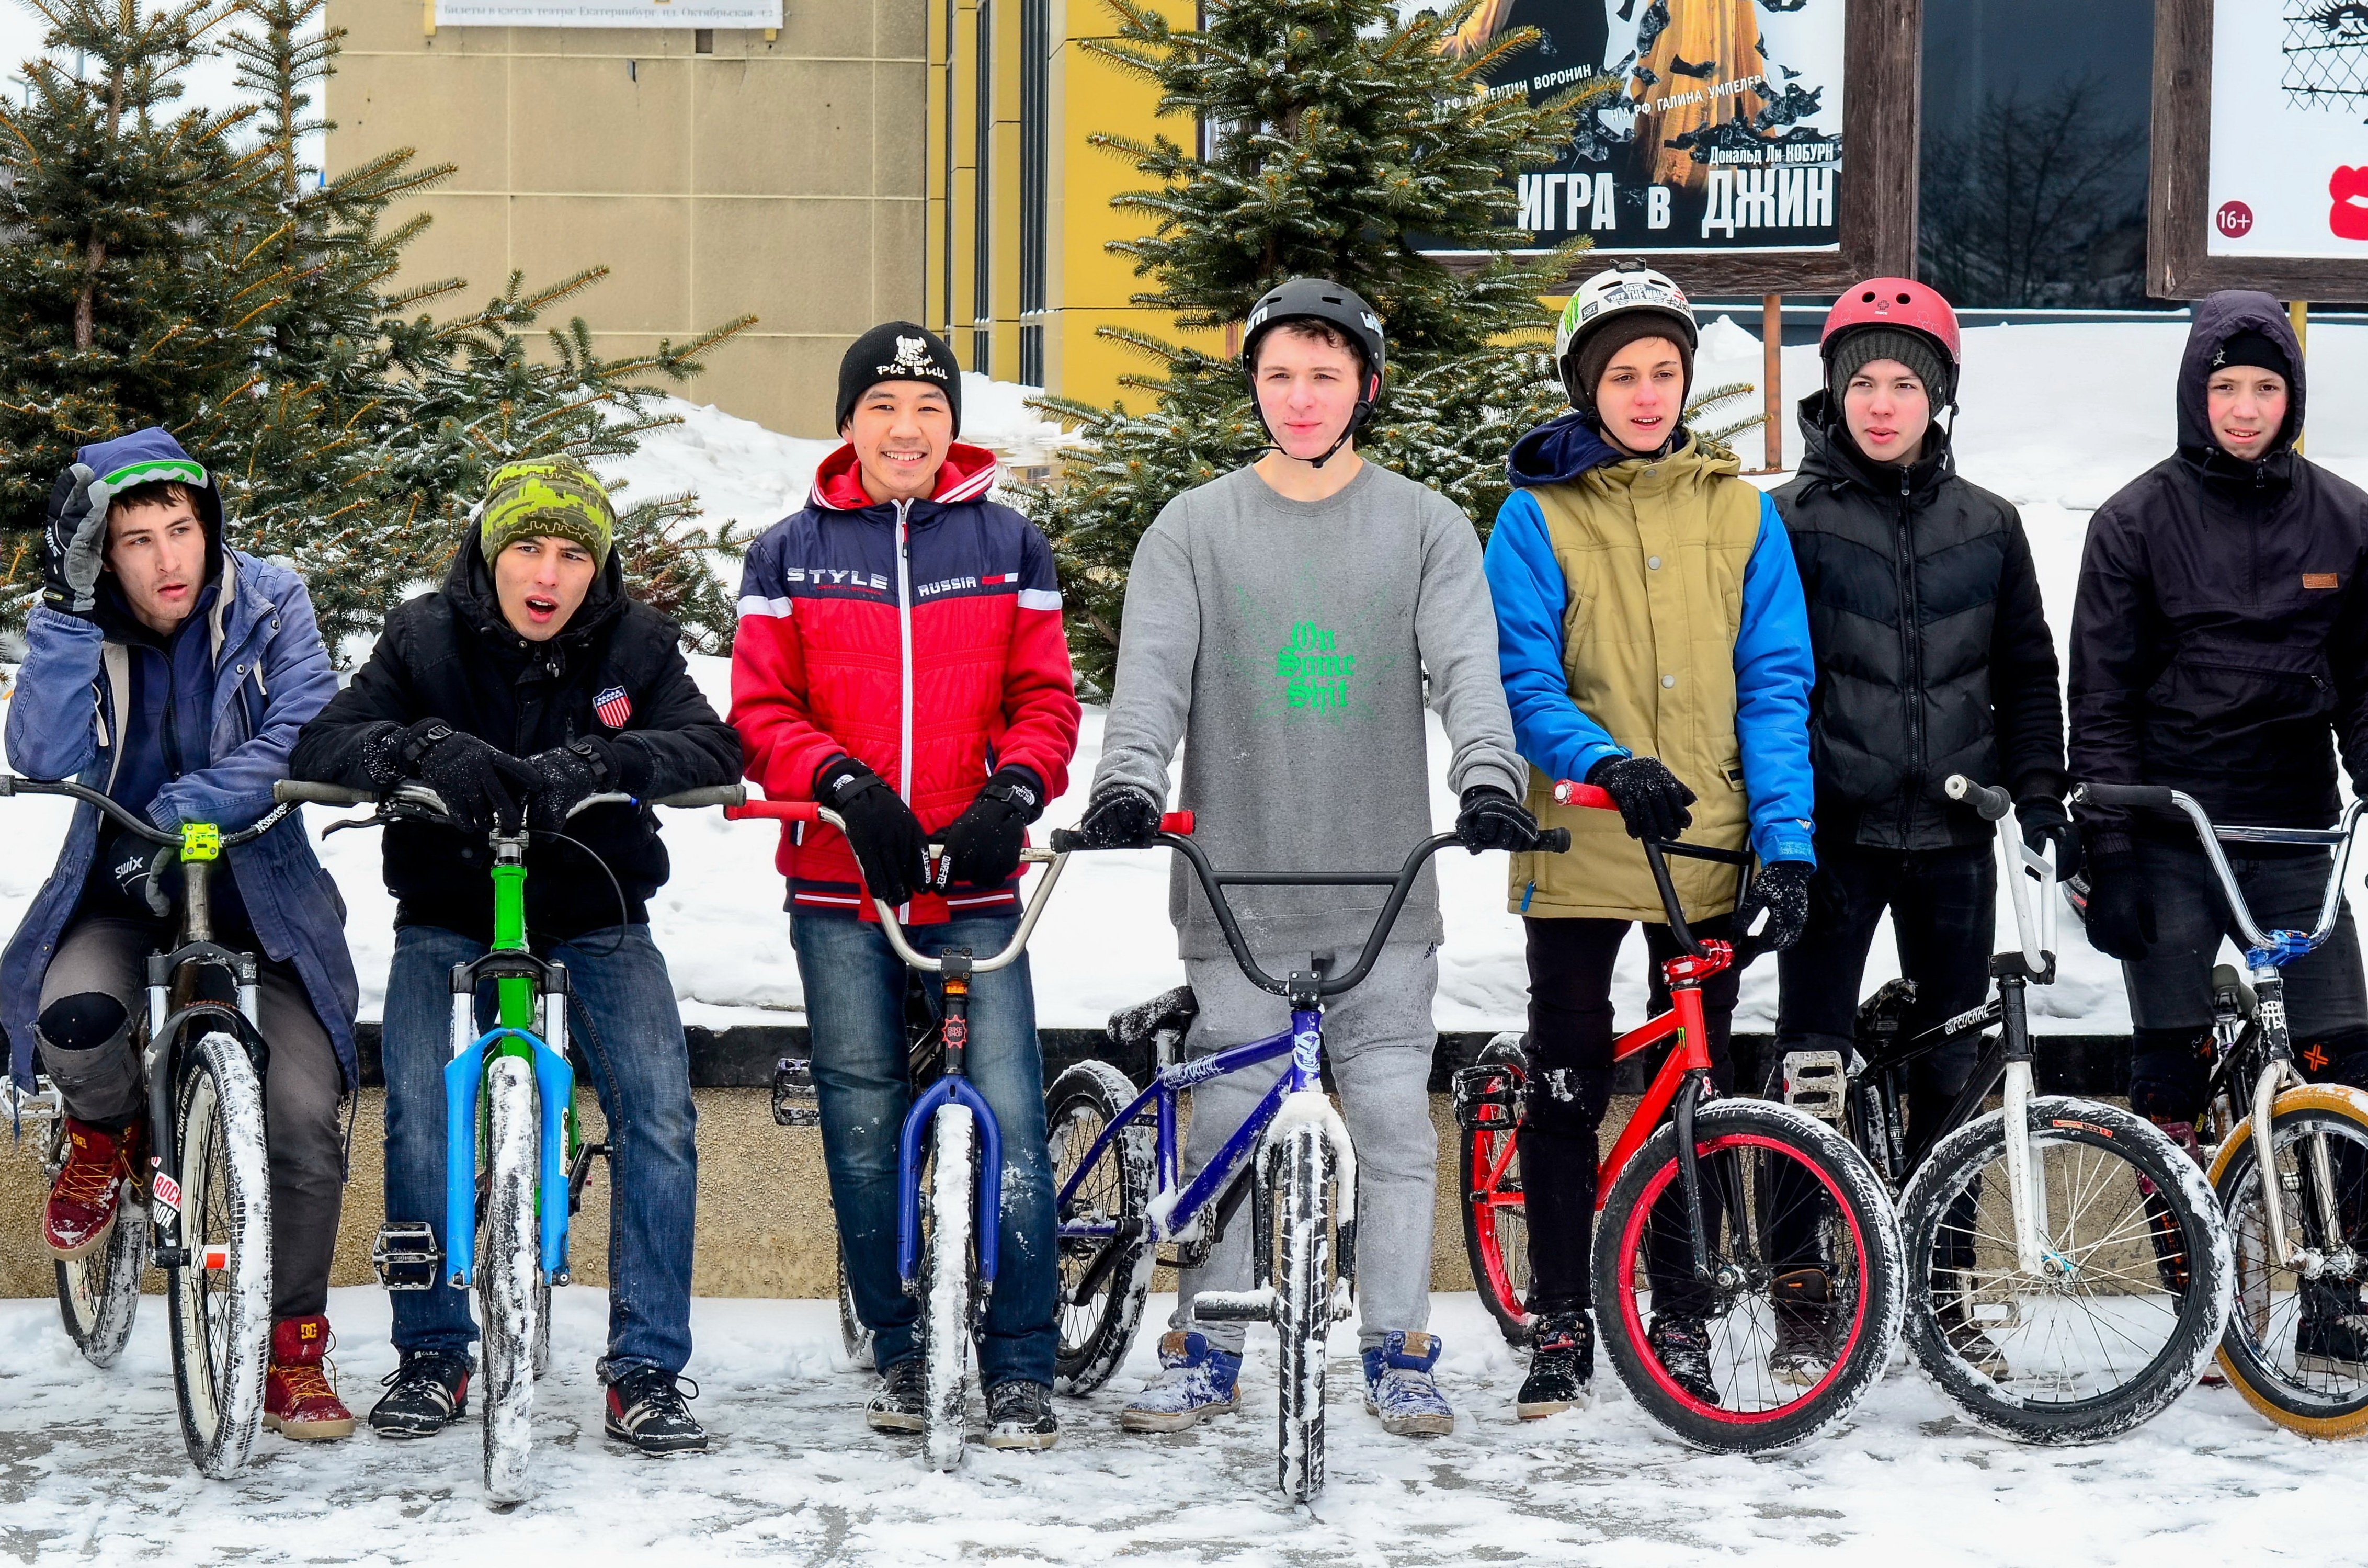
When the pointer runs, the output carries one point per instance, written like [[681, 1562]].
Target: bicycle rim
[[221, 1298], [1496, 1226], [853, 1337], [508, 1275], [950, 1183], [1103, 1229]]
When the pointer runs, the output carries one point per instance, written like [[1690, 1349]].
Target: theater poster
[[2289, 175], [1720, 133]]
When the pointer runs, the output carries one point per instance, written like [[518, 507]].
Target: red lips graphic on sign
[[2349, 218]]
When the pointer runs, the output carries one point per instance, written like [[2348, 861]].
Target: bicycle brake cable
[[624, 910]]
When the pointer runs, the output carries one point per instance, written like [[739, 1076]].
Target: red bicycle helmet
[[1894, 303]]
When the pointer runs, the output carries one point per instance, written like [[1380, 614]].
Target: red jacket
[[921, 637]]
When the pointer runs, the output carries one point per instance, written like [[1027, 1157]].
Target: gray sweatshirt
[[1285, 642]]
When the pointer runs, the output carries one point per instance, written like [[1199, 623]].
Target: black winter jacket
[[2220, 638], [451, 656], [1932, 648]]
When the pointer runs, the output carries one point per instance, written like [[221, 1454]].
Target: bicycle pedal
[[1817, 1081], [793, 1094], [405, 1256], [1487, 1088]]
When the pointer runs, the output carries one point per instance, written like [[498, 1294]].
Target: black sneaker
[[427, 1393], [648, 1409], [1682, 1347], [1561, 1367], [2332, 1338], [1803, 1353], [1019, 1416], [897, 1405]]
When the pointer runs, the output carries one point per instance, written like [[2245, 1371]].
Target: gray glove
[[74, 544]]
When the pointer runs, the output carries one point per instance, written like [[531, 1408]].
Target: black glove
[[142, 887], [983, 845], [1782, 888], [1490, 819], [2044, 822], [482, 786], [74, 544], [1650, 798], [2121, 909], [881, 828], [1121, 818], [564, 775]]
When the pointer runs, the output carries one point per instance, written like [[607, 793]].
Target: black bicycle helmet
[[1319, 299]]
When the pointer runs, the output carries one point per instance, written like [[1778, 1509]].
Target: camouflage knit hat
[[557, 496]]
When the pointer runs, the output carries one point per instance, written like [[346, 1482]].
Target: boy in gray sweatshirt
[[1281, 621]]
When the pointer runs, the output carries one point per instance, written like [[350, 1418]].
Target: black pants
[[1943, 905], [1571, 1034]]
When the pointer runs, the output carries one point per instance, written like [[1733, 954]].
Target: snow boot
[[1400, 1389], [1019, 1416], [1803, 1352], [427, 1393], [1561, 1367], [648, 1409], [897, 1404], [1682, 1347], [299, 1402], [2332, 1338], [1196, 1381], [88, 1193]]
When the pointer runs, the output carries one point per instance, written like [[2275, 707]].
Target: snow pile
[[741, 471]]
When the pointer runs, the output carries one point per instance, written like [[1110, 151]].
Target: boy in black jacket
[[528, 683]]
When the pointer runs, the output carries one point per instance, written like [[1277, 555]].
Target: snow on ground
[[91, 1468]]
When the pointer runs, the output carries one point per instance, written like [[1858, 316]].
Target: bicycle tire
[[1738, 1141], [853, 1337], [1095, 1333], [510, 1248], [1301, 1177], [2111, 1180], [1496, 1233], [221, 1316], [947, 1285], [2330, 1406], [98, 1293]]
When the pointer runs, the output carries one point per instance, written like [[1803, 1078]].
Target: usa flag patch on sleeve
[[613, 706]]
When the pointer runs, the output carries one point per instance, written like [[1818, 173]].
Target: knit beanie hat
[[1596, 351], [898, 351], [557, 496], [2254, 348], [1853, 351]]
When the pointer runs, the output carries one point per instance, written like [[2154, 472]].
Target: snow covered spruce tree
[[187, 267], [1340, 136]]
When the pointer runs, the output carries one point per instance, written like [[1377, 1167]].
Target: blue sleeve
[[235, 790], [53, 715], [1530, 595], [1773, 675]]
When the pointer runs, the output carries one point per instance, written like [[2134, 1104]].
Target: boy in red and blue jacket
[[900, 659]]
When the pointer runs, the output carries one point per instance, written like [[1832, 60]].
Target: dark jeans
[[1943, 905], [1571, 1036], [625, 1036], [2170, 988], [855, 1008]]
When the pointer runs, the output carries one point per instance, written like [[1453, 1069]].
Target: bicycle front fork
[[953, 1087], [465, 1077], [2270, 1014]]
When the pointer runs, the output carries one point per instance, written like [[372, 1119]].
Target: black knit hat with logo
[[898, 351]]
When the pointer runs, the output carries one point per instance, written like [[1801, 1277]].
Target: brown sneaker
[[88, 1193], [298, 1401]]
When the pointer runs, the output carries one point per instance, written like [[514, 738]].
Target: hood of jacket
[[155, 444], [1557, 452], [968, 473], [1829, 452], [2219, 318], [469, 584]]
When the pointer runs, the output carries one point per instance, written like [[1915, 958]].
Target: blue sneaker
[[1196, 1381], [1398, 1386]]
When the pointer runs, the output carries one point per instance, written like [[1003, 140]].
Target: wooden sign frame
[[2180, 264]]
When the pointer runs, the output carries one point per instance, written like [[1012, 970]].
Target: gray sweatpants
[[101, 1082], [1379, 1039]]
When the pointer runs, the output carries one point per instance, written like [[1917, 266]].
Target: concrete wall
[[783, 178]]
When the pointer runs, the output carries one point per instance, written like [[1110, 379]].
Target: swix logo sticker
[[168, 1191], [613, 706]]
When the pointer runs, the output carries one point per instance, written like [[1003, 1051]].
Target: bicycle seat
[[1154, 1030]]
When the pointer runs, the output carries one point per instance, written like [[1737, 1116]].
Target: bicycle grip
[[1553, 840], [1068, 840], [706, 795], [303, 792], [778, 810], [1990, 801], [1571, 793], [2139, 797]]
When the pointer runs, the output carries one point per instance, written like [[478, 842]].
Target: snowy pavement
[[91, 1470]]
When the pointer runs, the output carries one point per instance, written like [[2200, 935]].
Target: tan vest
[[1654, 553]]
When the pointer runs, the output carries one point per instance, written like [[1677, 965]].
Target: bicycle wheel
[[948, 1190], [1105, 1230], [1496, 1222], [1303, 1182], [221, 1298], [853, 1336], [2271, 1349], [1767, 1171], [508, 1275], [2132, 1294], [98, 1293]]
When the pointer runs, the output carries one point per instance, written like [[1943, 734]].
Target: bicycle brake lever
[[377, 818]]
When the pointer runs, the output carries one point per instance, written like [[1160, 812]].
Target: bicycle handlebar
[[138, 826], [1571, 793], [1051, 859], [294, 791], [1991, 803], [2340, 838]]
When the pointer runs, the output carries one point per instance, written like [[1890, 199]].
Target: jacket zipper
[[904, 661], [1912, 648]]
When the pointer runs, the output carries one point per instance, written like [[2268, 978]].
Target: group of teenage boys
[[1793, 672]]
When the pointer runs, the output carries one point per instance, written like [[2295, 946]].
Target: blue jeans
[[626, 1036], [855, 1005]]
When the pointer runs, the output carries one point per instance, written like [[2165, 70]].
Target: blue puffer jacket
[[271, 673]]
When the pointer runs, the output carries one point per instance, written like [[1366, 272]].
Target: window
[[1035, 49], [982, 278]]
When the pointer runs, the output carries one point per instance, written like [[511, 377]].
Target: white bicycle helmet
[[1622, 288]]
